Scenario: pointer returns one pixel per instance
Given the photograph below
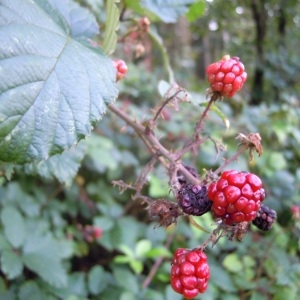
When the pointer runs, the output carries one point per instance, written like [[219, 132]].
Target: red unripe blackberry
[[121, 68], [193, 199], [226, 76], [189, 272], [236, 196], [265, 218], [97, 232]]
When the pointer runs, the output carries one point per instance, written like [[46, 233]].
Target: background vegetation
[[48, 250]]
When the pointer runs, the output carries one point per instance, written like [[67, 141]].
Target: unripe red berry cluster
[[121, 68], [226, 76], [236, 196], [190, 272]]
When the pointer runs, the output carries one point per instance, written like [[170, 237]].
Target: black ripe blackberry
[[265, 218], [193, 199]]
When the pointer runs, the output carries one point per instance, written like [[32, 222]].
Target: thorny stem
[[151, 141], [165, 103], [231, 159], [199, 126]]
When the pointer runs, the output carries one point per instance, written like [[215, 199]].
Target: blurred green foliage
[[44, 207]]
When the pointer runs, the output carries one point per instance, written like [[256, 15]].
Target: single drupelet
[[190, 272]]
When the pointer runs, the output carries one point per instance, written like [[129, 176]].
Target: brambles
[[226, 76], [236, 196], [265, 218], [190, 272], [121, 67], [193, 199]]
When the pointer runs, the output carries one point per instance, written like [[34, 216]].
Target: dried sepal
[[252, 141], [165, 212]]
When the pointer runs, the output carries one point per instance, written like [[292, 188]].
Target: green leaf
[[42, 255], [104, 222], [232, 263], [112, 25], [53, 89], [97, 280], [136, 266], [4, 244], [101, 154], [127, 295], [14, 226], [221, 278], [135, 6], [157, 252], [30, 290], [142, 247], [168, 10], [11, 264], [196, 10], [126, 279], [126, 250], [80, 20], [63, 167], [122, 259]]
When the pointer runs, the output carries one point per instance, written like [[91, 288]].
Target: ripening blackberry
[[226, 76], [193, 199], [265, 218], [236, 196], [190, 272]]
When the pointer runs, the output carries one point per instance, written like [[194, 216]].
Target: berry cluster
[[265, 218], [236, 196], [190, 272], [193, 199], [226, 76]]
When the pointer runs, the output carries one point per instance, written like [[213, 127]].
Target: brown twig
[[165, 103]]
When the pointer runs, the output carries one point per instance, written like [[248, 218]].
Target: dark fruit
[[265, 218], [193, 199]]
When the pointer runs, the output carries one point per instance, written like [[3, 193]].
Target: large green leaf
[[42, 254], [53, 88], [30, 290], [80, 20], [14, 226], [168, 10], [97, 280], [11, 264], [63, 167]]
